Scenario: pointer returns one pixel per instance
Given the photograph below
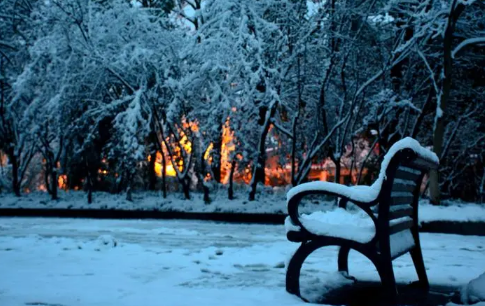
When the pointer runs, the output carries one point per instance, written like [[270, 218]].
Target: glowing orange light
[[62, 182], [228, 146]]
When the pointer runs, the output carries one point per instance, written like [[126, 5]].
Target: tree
[[15, 140]]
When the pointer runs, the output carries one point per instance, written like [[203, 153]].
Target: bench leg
[[388, 280], [417, 257], [343, 256], [306, 248], [294, 268], [296, 262]]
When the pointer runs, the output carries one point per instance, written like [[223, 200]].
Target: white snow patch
[[106, 241], [474, 291], [451, 211], [340, 223], [289, 226], [401, 242]]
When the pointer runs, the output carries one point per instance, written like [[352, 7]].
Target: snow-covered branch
[[466, 43]]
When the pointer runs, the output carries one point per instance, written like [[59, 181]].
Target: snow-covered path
[[160, 262]]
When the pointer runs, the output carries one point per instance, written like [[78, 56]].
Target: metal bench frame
[[377, 250]]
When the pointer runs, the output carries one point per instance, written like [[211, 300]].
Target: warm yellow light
[[208, 151], [170, 171], [62, 181]]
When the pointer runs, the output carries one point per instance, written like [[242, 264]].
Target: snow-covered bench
[[384, 228]]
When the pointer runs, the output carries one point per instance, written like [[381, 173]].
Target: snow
[[467, 42], [451, 211], [381, 19], [173, 262], [338, 222], [401, 242], [474, 291], [466, 2], [290, 227]]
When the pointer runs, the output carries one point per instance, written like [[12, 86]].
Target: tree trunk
[[15, 172], [337, 173], [119, 183], [53, 184], [293, 149], [89, 184], [216, 156], [200, 170], [439, 128], [164, 176], [337, 170], [152, 176], [47, 175], [207, 199], [129, 195], [186, 187], [90, 190], [258, 172], [129, 186], [230, 190]]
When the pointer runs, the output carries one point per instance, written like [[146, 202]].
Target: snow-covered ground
[[173, 262], [272, 201]]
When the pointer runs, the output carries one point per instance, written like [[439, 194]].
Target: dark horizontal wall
[[446, 227]]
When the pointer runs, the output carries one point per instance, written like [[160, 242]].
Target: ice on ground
[[474, 291]]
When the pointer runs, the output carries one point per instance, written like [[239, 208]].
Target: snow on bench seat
[[338, 223], [355, 226]]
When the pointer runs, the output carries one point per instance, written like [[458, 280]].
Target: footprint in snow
[[42, 304]]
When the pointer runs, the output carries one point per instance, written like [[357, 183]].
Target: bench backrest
[[399, 196]]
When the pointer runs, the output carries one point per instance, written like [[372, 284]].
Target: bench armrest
[[361, 193], [363, 196]]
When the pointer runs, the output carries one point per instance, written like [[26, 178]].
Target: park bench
[[390, 205]]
